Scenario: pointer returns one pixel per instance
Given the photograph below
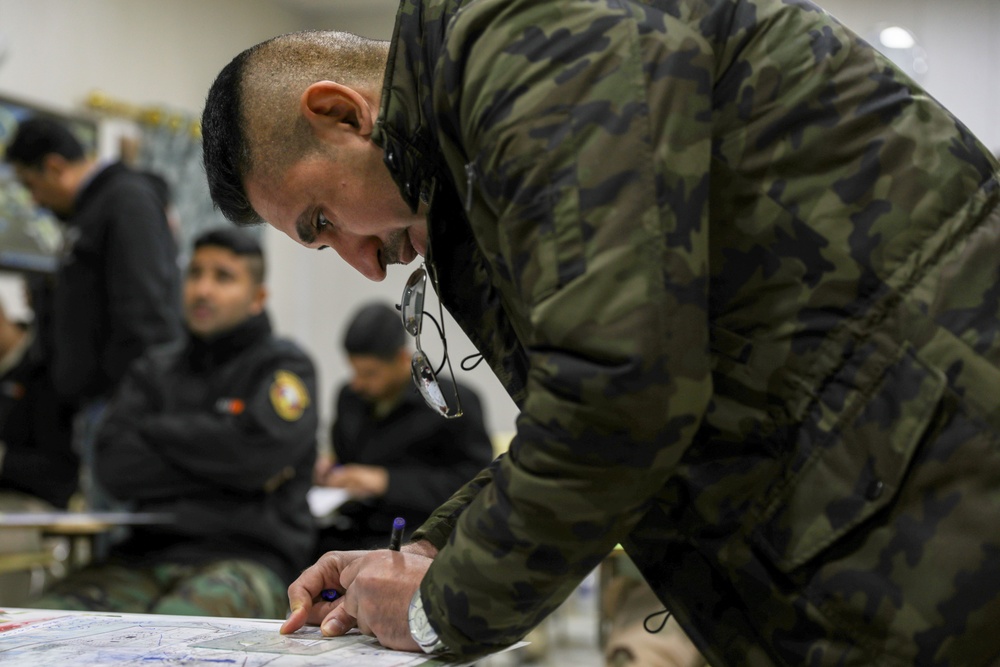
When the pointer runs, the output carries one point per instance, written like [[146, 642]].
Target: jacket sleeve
[[251, 451], [599, 191], [463, 449], [128, 465], [39, 457]]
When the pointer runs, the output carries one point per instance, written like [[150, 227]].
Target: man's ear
[[259, 300], [53, 163], [329, 106]]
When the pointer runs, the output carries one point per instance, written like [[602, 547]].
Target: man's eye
[[321, 221]]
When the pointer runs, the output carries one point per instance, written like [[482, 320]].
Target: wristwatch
[[421, 629]]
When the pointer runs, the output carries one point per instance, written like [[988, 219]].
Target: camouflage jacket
[[740, 275]]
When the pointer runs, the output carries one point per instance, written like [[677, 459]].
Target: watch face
[[421, 630]]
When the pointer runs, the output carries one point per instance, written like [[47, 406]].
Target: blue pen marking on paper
[[395, 540]]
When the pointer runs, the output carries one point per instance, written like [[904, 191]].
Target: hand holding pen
[[395, 541]]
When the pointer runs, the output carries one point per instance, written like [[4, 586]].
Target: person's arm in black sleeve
[[250, 451], [39, 458], [130, 466], [464, 449]]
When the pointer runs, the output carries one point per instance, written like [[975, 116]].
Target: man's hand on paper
[[377, 589]]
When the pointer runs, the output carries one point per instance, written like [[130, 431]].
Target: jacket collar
[[102, 173], [208, 353], [405, 128]]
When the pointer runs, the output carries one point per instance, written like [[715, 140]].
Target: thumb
[[338, 622]]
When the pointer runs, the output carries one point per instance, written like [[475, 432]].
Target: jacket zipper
[[470, 175]]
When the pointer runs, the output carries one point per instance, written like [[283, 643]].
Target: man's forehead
[[215, 254], [265, 199]]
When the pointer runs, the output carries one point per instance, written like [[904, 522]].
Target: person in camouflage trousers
[[740, 275], [216, 433]]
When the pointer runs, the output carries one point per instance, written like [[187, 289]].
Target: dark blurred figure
[[392, 453], [36, 429], [116, 291], [38, 468]]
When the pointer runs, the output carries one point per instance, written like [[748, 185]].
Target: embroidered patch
[[289, 396], [12, 389], [230, 406]]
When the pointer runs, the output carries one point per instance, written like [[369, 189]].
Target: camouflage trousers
[[235, 588]]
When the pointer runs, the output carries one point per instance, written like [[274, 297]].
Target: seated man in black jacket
[[392, 453], [38, 468], [220, 432], [37, 464]]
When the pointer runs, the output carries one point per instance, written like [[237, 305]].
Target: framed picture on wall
[[30, 237]]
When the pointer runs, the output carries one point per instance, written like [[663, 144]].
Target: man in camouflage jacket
[[739, 273]]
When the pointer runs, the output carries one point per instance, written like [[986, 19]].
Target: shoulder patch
[[289, 395]]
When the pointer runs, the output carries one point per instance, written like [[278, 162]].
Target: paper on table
[[323, 500], [46, 638]]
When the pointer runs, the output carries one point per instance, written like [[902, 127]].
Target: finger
[[304, 592], [338, 622], [296, 619], [350, 572], [365, 629]]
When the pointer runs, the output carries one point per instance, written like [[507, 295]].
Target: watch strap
[[421, 630]]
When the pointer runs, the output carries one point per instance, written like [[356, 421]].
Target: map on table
[[44, 638]]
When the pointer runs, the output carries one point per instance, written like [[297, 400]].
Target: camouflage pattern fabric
[[741, 275], [233, 588]]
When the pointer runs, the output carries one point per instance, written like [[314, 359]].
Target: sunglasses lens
[[411, 306], [426, 381]]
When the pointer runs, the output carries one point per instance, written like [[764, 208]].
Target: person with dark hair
[[36, 428], [218, 431], [392, 454], [116, 290], [738, 271], [38, 468]]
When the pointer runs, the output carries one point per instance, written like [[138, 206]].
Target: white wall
[[167, 52], [157, 52], [962, 41]]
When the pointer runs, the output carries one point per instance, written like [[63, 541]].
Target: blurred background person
[[36, 456], [392, 453], [38, 468], [116, 291], [219, 431]]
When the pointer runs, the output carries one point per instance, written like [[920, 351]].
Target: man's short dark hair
[[376, 331], [239, 243], [264, 133], [226, 153], [38, 137]]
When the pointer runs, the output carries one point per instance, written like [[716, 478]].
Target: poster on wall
[[30, 236]]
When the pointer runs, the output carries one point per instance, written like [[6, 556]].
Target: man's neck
[[82, 173], [383, 406]]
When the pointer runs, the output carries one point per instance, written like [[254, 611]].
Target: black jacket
[[117, 290], [428, 457], [222, 434], [37, 431]]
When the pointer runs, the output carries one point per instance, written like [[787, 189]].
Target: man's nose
[[362, 253], [201, 286]]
